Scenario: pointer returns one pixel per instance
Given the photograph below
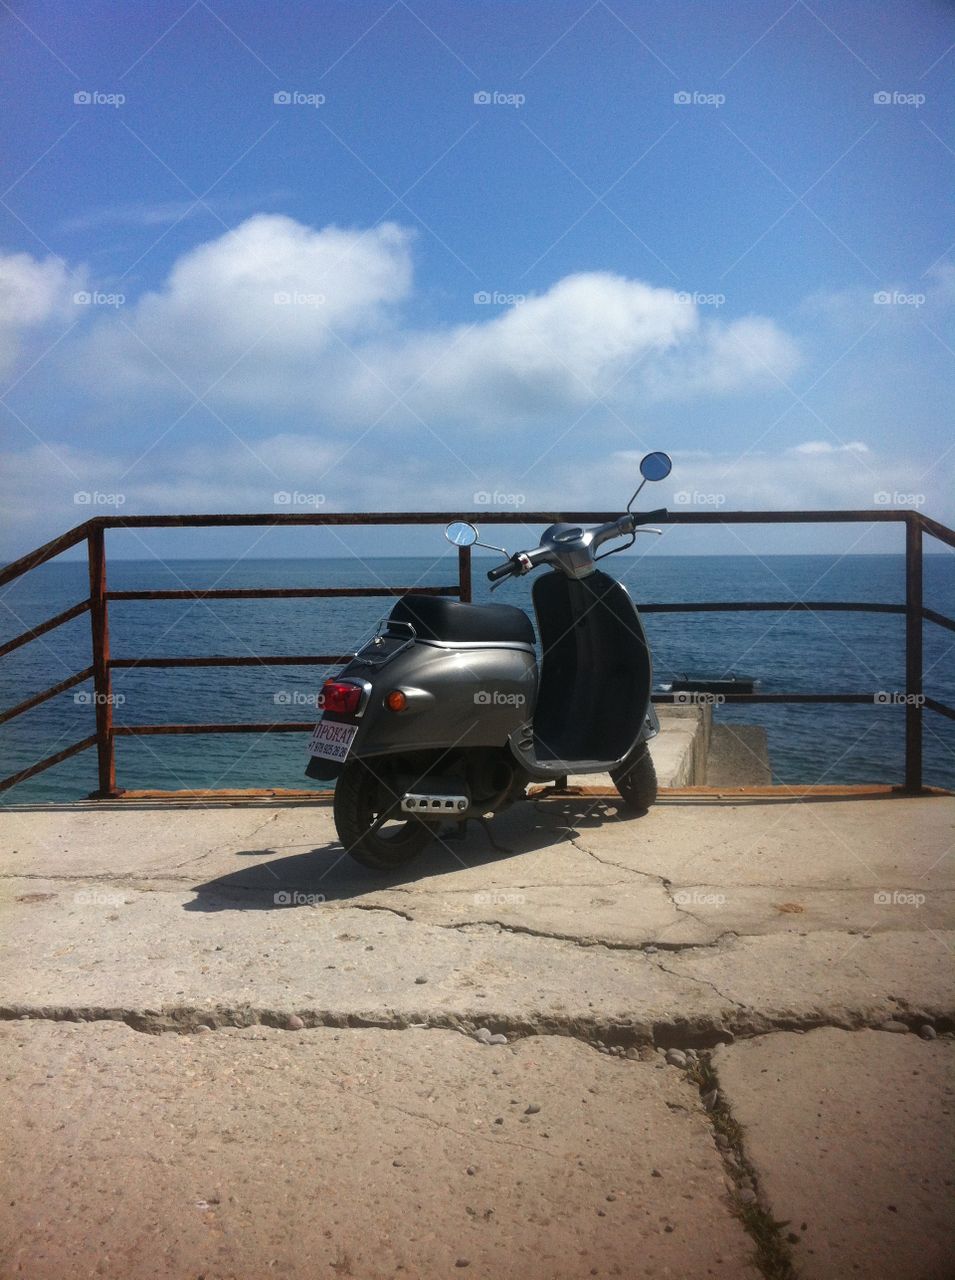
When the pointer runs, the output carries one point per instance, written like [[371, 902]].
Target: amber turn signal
[[396, 700]]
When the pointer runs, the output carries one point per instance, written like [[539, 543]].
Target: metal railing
[[93, 532]]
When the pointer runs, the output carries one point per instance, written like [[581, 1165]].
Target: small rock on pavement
[[463, 1262], [532, 1108], [421, 981], [632, 1054], [295, 1023], [500, 1038], [894, 1025], [483, 1035], [676, 1057], [747, 1195], [928, 1032]]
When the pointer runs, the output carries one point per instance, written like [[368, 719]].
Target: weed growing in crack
[[773, 1257]]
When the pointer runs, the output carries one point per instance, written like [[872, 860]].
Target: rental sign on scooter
[[331, 741]]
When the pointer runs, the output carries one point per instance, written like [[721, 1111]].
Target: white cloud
[[32, 293], [272, 295], [298, 322], [825, 446]]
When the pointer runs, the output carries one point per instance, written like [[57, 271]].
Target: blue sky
[[427, 255]]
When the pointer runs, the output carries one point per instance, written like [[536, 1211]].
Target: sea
[[798, 651]]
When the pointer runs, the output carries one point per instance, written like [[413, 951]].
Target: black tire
[[637, 783], [359, 799]]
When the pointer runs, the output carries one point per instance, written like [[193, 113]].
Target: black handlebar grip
[[501, 571], [661, 513]]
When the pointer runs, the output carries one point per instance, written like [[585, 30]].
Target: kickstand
[[499, 848]]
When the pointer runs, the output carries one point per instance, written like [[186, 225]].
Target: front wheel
[[360, 800], [637, 783]]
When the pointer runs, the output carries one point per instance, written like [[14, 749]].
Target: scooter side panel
[[456, 698]]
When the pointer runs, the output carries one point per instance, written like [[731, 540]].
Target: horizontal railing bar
[[48, 763], [279, 593], [152, 730], [937, 530], [493, 516], [941, 619], [38, 698], [156, 730], [40, 556], [706, 699], [44, 627], [224, 660], [773, 606], [941, 708]]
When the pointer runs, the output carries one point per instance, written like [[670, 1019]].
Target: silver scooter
[[444, 715]]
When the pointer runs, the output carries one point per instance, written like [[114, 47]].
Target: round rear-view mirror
[[656, 466], [461, 533]]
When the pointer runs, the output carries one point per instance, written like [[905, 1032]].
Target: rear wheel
[[637, 783], [360, 800]]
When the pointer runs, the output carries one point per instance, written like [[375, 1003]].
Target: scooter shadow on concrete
[[325, 873]]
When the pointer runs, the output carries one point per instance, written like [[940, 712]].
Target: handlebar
[[524, 561], [501, 571]]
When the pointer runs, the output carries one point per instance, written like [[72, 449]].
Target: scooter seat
[[437, 618]]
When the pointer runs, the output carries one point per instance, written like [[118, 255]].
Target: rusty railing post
[[102, 678], [913, 653], [464, 575]]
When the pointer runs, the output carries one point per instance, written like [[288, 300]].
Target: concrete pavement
[[580, 934]]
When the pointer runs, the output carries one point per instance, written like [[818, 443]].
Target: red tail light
[[340, 698]]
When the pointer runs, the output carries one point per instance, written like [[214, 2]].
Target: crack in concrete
[[700, 1032], [702, 981], [773, 1257]]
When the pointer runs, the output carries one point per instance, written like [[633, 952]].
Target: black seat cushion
[[438, 618]]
